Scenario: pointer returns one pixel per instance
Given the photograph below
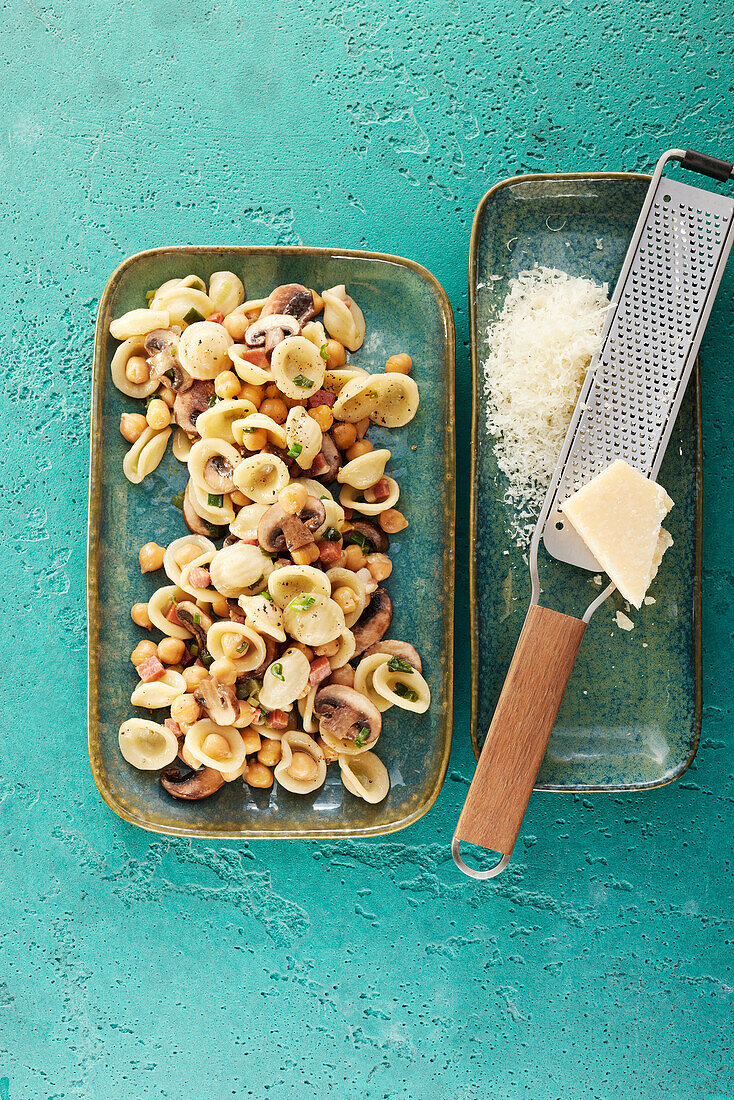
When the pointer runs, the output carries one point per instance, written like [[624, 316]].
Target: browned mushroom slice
[[327, 463], [345, 712], [162, 339], [374, 621], [199, 784], [169, 371], [196, 620], [295, 533], [378, 541], [218, 700], [189, 405], [277, 526], [192, 519], [218, 473], [403, 650], [256, 335], [290, 299]]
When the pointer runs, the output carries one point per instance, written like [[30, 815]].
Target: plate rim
[[94, 503], [539, 177]]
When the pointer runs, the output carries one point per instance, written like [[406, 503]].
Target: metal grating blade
[[636, 382]]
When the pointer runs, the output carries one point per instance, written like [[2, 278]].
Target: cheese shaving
[[540, 349]]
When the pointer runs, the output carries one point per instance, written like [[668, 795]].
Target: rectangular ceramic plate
[[405, 310], [631, 715]]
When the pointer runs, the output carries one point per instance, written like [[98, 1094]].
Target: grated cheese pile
[[540, 349]]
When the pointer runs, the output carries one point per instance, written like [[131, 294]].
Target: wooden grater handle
[[518, 736]]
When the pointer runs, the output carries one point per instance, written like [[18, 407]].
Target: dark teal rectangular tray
[[406, 310], [631, 715]]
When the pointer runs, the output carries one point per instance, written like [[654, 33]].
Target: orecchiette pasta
[[158, 607], [259, 422], [145, 454], [346, 578], [246, 648], [303, 437], [398, 402], [181, 445], [365, 471], [365, 776], [226, 291], [295, 580], [297, 367], [159, 693], [235, 569], [183, 547], [405, 689], [212, 463], [244, 525], [147, 745], [335, 380], [285, 680], [343, 319], [203, 349], [261, 477], [313, 620], [214, 509], [263, 615], [217, 422], [302, 768], [215, 746], [248, 370], [182, 302], [348, 498], [358, 398], [120, 360], [364, 679], [139, 322]]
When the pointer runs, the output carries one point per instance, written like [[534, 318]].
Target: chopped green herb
[[302, 603], [257, 582], [397, 664], [215, 500], [212, 401], [206, 658], [215, 531], [169, 374], [324, 351], [173, 349], [277, 671], [362, 737], [360, 540], [194, 649], [193, 315], [243, 646], [405, 692], [267, 596], [250, 429], [197, 619], [178, 499], [295, 450], [247, 688], [150, 295], [331, 534], [303, 382], [149, 398]]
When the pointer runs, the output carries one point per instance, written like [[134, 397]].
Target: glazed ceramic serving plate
[[631, 715], [405, 310]]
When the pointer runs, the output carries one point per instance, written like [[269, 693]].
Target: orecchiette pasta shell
[[263, 615], [246, 522], [236, 568], [147, 745], [125, 352], [334, 517], [297, 367], [292, 580], [197, 734], [204, 595], [348, 498], [321, 622], [385, 681], [138, 322], [305, 709], [285, 679], [201, 452], [365, 776], [344, 746], [364, 471], [189, 281], [145, 454], [252, 645], [203, 348], [199, 543], [346, 578], [304, 436], [258, 421], [159, 693], [314, 331], [212, 513], [180, 300], [226, 291], [157, 606], [335, 380], [261, 477], [357, 399], [345, 652], [398, 402], [363, 677], [295, 741], [181, 445], [247, 371], [216, 422], [343, 319], [314, 488]]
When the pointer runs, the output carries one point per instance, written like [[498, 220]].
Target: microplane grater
[[626, 409]]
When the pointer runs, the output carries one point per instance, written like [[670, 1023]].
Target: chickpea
[[220, 607], [323, 416], [224, 670], [255, 441], [361, 447], [139, 615], [143, 650], [362, 426], [193, 675], [216, 746], [399, 364], [236, 325], [271, 390], [337, 354], [343, 675], [292, 402], [252, 393], [270, 753], [137, 370], [344, 435], [273, 407], [233, 645], [252, 740], [306, 555], [303, 766], [304, 649], [171, 650], [185, 710], [293, 498], [227, 385], [150, 557], [354, 558], [257, 775], [158, 415], [344, 595], [392, 521], [132, 426], [379, 566]]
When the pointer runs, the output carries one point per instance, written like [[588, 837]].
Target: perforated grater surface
[[626, 409]]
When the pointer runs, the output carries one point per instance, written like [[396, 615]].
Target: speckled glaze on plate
[[631, 715], [406, 310]]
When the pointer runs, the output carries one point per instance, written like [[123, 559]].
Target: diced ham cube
[[321, 397], [329, 552], [320, 669], [278, 719], [255, 356], [173, 727], [319, 466], [217, 318], [199, 578], [172, 616], [381, 489], [150, 669], [250, 542]]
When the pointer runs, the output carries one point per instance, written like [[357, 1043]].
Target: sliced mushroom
[[218, 473], [167, 368], [193, 520], [377, 538], [218, 700], [291, 299], [189, 405], [327, 463], [274, 528], [397, 649], [161, 339], [256, 334], [344, 712], [195, 620], [372, 624], [295, 533], [198, 784]]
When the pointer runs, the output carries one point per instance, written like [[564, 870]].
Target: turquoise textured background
[[133, 966]]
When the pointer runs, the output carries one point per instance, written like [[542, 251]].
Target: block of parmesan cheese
[[619, 515]]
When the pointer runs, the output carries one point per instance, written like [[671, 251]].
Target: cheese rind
[[619, 516]]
